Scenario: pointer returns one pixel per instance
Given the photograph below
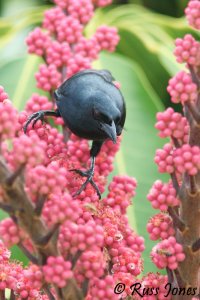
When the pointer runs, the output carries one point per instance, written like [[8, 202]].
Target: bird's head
[[107, 122]]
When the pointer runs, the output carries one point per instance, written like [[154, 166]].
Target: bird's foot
[[89, 174], [39, 115], [36, 117]]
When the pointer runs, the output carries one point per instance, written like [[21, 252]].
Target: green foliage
[[171, 7]]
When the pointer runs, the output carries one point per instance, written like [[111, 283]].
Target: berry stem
[[196, 246], [48, 292], [31, 257], [11, 179], [40, 204], [193, 186], [175, 182], [176, 142], [195, 77], [2, 295], [178, 223], [12, 295], [192, 108], [85, 287], [180, 281], [44, 240]]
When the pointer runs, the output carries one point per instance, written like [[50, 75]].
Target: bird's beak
[[110, 130]]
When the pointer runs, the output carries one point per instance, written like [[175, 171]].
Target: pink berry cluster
[[164, 159], [91, 264], [172, 124], [3, 94], [156, 281], [62, 44], [38, 42], [167, 253], [162, 195], [187, 50], [61, 207], [101, 289], [182, 159], [101, 3], [11, 233], [57, 270], [181, 88], [4, 252], [28, 150], [48, 78], [127, 261], [36, 103], [121, 190], [9, 118], [192, 12], [80, 237], [160, 226], [187, 159], [25, 283], [42, 182]]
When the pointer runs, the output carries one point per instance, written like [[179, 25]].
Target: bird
[[93, 108]]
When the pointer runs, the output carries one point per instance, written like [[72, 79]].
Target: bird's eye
[[102, 117], [117, 120], [105, 119]]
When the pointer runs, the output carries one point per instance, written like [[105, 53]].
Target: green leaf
[[140, 140], [10, 27], [17, 77]]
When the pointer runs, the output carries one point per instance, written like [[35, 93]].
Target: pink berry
[[181, 88], [8, 120], [36, 103], [192, 12], [187, 159], [187, 50], [87, 48], [160, 226], [107, 37], [162, 195], [172, 124], [77, 63], [164, 254], [52, 18], [57, 270], [3, 94], [58, 53], [101, 3], [38, 41], [48, 78], [81, 10], [69, 30], [164, 159]]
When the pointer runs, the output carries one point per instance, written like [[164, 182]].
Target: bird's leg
[[39, 115], [96, 146]]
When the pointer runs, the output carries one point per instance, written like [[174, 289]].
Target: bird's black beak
[[110, 131]]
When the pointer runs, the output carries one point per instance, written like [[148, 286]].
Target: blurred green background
[[143, 63]]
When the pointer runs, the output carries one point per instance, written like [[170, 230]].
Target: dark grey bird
[[93, 108]]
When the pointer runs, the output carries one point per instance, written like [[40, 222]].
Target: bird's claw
[[89, 174], [36, 117]]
